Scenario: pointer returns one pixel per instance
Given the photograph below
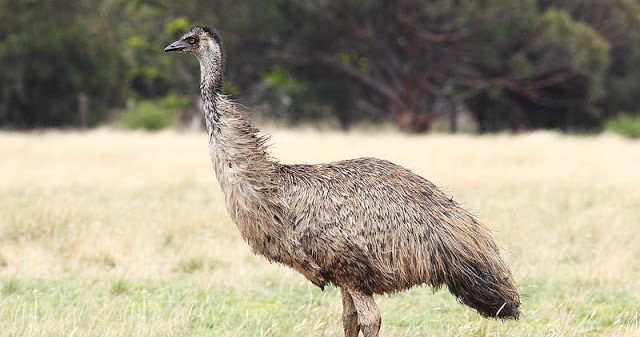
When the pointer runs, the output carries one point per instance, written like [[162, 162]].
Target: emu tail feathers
[[467, 260]]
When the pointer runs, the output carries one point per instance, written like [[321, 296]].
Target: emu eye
[[192, 40]]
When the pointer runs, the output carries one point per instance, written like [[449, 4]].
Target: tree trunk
[[414, 122], [453, 117], [83, 109]]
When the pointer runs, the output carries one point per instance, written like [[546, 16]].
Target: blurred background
[[458, 66]]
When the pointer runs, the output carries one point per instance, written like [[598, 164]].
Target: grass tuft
[[190, 265], [119, 287], [10, 286]]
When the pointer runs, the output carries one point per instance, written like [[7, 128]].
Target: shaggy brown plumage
[[365, 225]]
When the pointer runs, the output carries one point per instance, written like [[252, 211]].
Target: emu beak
[[177, 46]]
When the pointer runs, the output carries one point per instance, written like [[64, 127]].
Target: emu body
[[366, 225]]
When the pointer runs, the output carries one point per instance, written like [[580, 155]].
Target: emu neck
[[211, 91], [238, 153]]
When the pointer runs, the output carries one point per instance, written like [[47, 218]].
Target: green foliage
[[523, 64], [51, 54], [232, 89], [175, 101], [148, 115], [588, 51], [625, 124], [157, 114], [177, 26], [353, 59], [279, 77], [311, 98]]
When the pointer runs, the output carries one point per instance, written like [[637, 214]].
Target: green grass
[[126, 234], [181, 306]]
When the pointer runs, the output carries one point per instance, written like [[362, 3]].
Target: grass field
[[110, 233]]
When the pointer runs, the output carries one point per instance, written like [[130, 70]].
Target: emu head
[[205, 44], [202, 42]]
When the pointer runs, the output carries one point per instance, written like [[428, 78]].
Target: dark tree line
[[514, 65], [51, 57]]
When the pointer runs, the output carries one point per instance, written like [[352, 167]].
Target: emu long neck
[[211, 90], [238, 153]]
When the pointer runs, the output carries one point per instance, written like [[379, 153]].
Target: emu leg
[[349, 315], [368, 314]]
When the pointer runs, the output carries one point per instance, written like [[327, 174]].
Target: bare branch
[[379, 87]]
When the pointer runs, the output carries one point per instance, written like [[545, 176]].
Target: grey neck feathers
[[238, 153], [211, 83]]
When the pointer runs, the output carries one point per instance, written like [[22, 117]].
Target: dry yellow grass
[[130, 218]]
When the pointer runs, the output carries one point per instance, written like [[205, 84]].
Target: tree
[[514, 65], [618, 22], [506, 61], [51, 61]]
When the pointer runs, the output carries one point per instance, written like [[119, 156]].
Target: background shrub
[[625, 124], [148, 115]]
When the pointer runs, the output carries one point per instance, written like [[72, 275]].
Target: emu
[[365, 225]]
